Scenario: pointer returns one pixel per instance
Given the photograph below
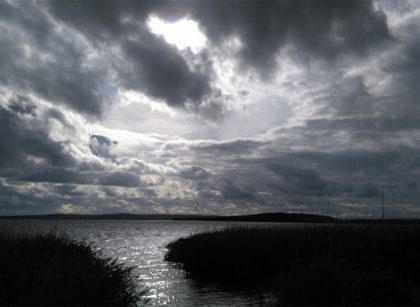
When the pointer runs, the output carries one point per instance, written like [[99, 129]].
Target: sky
[[241, 106]]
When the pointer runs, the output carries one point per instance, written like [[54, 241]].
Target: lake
[[141, 244]]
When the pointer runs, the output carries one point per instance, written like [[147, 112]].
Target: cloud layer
[[304, 106]]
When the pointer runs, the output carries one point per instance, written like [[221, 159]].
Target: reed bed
[[48, 269], [309, 265]]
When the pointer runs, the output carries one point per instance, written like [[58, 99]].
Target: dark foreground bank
[[322, 265], [47, 269]]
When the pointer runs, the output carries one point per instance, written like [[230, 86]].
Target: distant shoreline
[[262, 217]]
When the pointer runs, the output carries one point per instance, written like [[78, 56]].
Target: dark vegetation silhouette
[[49, 269], [309, 265]]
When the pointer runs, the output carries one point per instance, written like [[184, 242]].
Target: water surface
[[141, 244]]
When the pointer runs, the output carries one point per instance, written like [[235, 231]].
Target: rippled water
[[142, 244]]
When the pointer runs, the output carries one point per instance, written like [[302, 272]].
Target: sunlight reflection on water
[[141, 244]]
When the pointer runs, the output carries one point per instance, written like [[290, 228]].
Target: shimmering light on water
[[141, 244]]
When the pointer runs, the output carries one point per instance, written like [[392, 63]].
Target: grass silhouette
[[310, 265], [48, 269]]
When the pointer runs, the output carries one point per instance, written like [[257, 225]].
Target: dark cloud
[[402, 67], [368, 190], [303, 179], [325, 29], [29, 153], [223, 149], [162, 73], [352, 125], [194, 172], [79, 177], [347, 97], [55, 175], [14, 201], [27, 138], [322, 29], [149, 64], [372, 124], [372, 162], [123, 179], [101, 146], [380, 103], [22, 105], [70, 190], [103, 22], [231, 191], [298, 180], [333, 182], [39, 59]]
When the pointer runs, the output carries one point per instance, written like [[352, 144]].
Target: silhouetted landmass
[[264, 217], [46, 269], [308, 265]]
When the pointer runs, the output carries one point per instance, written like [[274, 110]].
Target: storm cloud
[[294, 106], [145, 62], [325, 29], [38, 58]]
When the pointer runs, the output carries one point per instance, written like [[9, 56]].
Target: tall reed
[[310, 265], [49, 269]]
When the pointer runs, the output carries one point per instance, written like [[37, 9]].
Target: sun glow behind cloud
[[184, 33]]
